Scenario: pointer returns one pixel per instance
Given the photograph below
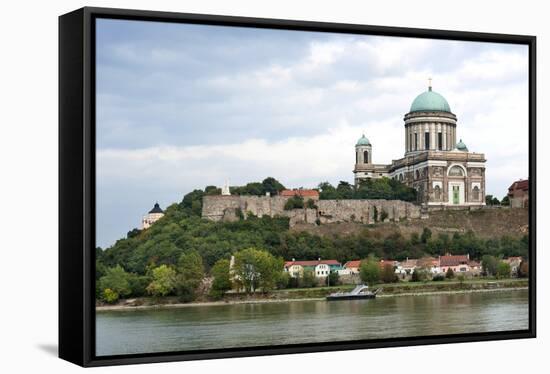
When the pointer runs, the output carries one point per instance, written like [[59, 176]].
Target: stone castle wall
[[226, 208]]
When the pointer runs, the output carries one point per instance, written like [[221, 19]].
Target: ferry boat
[[360, 292]]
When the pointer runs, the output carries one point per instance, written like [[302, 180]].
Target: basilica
[[443, 172]]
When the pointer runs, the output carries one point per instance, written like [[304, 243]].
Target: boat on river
[[360, 292]]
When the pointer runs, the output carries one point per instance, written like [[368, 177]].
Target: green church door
[[456, 190]]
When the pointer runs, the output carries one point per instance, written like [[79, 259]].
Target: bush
[[503, 270], [295, 202], [308, 279], [283, 281], [110, 296], [333, 279], [222, 279], [117, 281], [310, 204], [438, 278], [419, 275], [163, 281], [450, 274]]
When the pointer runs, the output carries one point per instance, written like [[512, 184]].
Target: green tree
[[190, 275], [257, 269], [450, 274], [116, 280], [163, 281], [283, 281], [388, 274], [308, 280], [370, 270], [327, 191], [489, 199], [222, 279], [272, 185], [345, 190], [333, 279], [295, 202], [426, 235], [505, 201], [503, 270], [192, 202], [212, 190], [489, 265]]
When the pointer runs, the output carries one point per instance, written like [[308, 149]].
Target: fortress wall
[[219, 207]]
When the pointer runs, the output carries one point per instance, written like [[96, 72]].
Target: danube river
[[242, 325]]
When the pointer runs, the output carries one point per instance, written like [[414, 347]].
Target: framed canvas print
[[235, 186]]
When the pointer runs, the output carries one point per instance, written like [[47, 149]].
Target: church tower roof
[[363, 141], [156, 209], [461, 146]]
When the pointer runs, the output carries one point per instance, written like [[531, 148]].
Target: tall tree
[[222, 278], [370, 270], [190, 274], [257, 269]]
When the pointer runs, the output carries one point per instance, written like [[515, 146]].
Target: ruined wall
[[226, 208], [366, 211]]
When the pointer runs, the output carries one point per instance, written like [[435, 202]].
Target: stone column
[[433, 144], [406, 139], [444, 136]]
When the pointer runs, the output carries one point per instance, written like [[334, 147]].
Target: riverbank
[[290, 295]]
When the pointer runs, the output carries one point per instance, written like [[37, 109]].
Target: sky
[[180, 107]]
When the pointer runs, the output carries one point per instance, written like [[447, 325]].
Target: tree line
[[154, 259]]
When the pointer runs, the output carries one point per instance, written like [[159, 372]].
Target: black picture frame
[[77, 183]]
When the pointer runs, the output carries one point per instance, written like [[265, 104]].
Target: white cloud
[[297, 118]]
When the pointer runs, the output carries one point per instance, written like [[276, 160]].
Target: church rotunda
[[443, 172]]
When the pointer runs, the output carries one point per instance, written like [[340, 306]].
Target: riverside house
[[458, 263], [321, 268]]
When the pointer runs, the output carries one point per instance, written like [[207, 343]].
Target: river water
[[242, 325]]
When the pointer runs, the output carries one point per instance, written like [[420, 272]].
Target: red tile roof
[[352, 264], [453, 260], [300, 192], [311, 263], [520, 185], [383, 263]]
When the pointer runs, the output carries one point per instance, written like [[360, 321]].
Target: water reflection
[[224, 326]]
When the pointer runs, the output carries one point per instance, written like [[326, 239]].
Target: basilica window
[[356, 158], [439, 141], [415, 141], [417, 174], [426, 140], [437, 193], [475, 193], [410, 142], [366, 157], [456, 171]]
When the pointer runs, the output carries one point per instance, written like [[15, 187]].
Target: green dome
[[430, 101], [363, 141], [461, 146]]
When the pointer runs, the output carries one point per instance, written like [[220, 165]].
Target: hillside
[[486, 224]]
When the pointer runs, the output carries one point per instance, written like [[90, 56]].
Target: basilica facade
[[443, 171]]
